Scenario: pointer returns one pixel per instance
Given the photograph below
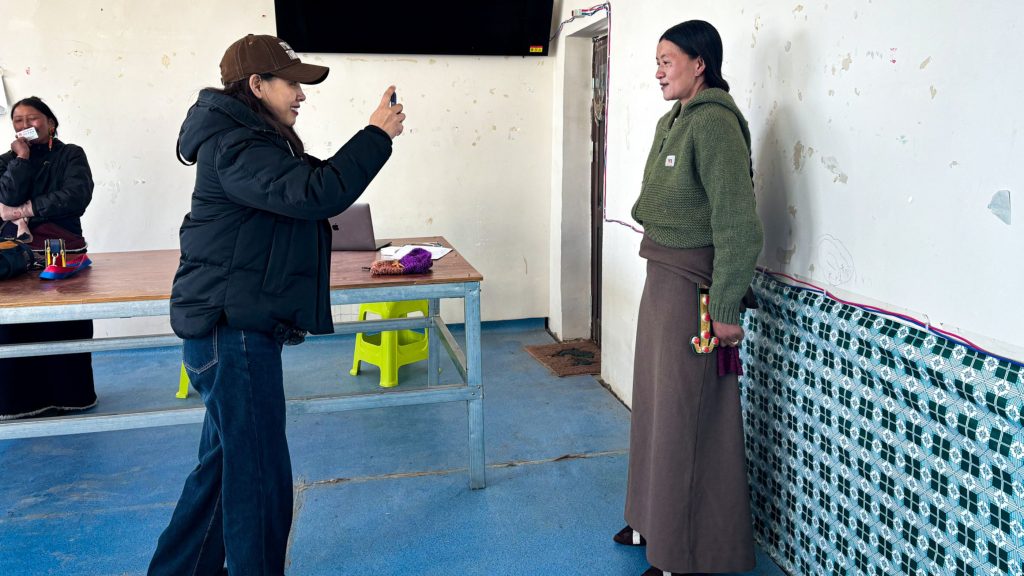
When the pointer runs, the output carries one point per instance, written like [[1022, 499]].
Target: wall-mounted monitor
[[468, 27]]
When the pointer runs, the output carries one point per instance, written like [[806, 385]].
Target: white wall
[[873, 177], [881, 132], [473, 164]]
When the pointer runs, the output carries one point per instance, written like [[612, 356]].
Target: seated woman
[[45, 186]]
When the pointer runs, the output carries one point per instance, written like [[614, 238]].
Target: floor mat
[[568, 358]]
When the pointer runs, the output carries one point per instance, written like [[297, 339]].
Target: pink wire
[[912, 320]]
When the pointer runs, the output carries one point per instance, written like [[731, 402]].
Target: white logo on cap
[[288, 50]]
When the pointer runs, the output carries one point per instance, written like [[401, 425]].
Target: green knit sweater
[[697, 192]]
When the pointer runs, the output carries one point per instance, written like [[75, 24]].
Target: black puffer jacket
[[58, 181], [256, 249]]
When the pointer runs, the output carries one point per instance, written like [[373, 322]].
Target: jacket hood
[[212, 114]]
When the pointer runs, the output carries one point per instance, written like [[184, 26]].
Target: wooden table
[[136, 284]]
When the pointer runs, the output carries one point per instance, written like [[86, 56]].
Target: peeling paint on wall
[[784, 256], [832, 165], [799, 154], [847, 61], [1000, 205], [933, 91], [925, 63]]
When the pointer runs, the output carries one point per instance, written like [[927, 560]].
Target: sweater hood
[[212, 114], [712, 97], [709, 97]]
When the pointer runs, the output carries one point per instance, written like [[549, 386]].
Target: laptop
[[353, 230]]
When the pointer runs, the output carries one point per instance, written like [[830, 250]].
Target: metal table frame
[[467, 363]]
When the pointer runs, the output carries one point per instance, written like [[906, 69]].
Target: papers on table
[[396, 252]]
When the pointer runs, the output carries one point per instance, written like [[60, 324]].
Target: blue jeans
[[237, 502]]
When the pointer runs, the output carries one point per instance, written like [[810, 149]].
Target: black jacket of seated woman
[[45, 185]]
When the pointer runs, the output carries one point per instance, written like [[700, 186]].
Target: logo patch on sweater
[[670, 160]]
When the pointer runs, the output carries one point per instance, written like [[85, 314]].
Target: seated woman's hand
[[20, 148], [12, 213]]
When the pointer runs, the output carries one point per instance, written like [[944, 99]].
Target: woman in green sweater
[[687, 497]]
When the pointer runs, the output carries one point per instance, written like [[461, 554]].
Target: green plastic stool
[[392, 349], [182, 384]]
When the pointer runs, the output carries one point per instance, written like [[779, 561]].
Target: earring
[[51, 140]]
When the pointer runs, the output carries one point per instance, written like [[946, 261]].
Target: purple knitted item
[[417, 261]]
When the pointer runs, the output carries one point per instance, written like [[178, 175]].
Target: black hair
[[37, 103], [700, 39], [240, 91]]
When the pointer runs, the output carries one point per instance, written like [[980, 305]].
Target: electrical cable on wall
[[582, 13], [809, 287]]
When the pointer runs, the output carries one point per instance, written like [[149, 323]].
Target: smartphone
[[29, 134], [394, 97]]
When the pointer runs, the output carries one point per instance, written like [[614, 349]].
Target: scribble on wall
[[835, 261]]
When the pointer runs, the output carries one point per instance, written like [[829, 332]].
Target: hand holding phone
[[388, 116]]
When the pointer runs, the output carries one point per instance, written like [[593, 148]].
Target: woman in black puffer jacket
[[254, 275]]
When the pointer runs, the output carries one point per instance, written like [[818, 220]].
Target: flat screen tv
[[469, 27]]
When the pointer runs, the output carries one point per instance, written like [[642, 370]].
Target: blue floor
[[378, 492]]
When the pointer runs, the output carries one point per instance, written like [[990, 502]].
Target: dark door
[[599, 109]]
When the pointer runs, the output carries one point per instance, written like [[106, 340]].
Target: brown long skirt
[[687, 490]]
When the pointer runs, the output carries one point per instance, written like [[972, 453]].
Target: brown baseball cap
[[262, 54]]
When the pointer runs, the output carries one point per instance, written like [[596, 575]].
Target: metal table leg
[[475, 406], [433, 343]]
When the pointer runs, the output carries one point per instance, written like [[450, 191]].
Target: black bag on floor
[[15, 257]]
